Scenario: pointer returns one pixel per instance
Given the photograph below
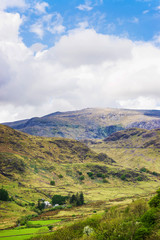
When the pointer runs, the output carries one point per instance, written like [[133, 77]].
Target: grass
[[27, 232], [43, 222]]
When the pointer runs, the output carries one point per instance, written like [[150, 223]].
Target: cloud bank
[[83, 69]]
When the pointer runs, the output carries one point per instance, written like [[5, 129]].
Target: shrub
[[149, 218], [143, 169], [4, 196], [123, 177], [90, 174], [52, 183], [141, 233], [50, 227], [60, 176], [155, 201], [88, 230], [99, 174], [105, 181], [81, 178], [139, 179]]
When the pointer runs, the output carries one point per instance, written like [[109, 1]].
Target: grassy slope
[[135, 148], [29, 163]]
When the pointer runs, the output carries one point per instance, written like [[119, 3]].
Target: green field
[[43, 222], [26, 233]]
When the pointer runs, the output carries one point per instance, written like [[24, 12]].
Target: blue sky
[[135, 19], [58, 55]]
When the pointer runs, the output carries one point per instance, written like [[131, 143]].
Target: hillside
[[88, 123], [23, 153], [28, 164], [132, 147]]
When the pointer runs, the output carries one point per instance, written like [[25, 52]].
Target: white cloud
[[83, 69], [85, 47], [38, 29], [145, 11], [4, 4], [86, 6], [41, 7], [52, 23], [134, 20], [9, 26], [37, 47], [140, 103]]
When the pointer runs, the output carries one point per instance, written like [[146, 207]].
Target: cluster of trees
[[59, 199], [75, 199]]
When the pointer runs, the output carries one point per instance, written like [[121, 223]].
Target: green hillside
[[135, 148], [29, 164]]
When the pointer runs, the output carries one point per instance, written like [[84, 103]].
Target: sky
[[59, 55]]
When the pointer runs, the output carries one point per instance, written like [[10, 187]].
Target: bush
[[81, 178], [123, 177], [4, 196], [90, 174], [149, 218], [143, 169], [50, 227], [52, 183], [99, 174], [60, 176], [155, 201], [141, 233], [105, 181], [139, 179]]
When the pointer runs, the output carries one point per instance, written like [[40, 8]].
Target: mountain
[[91, 123]]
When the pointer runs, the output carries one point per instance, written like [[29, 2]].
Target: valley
[[114, 171]]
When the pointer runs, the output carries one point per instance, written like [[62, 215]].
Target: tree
[[58, 199], [81, 198], [77, 199], [4, 196], [73, 199], [41, 204]]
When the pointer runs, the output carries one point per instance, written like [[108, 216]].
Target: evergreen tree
[[81, 198], [73, 199]]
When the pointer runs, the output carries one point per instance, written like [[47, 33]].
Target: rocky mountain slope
[[88, 123]]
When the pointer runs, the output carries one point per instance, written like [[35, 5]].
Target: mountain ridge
[[89, 123]]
